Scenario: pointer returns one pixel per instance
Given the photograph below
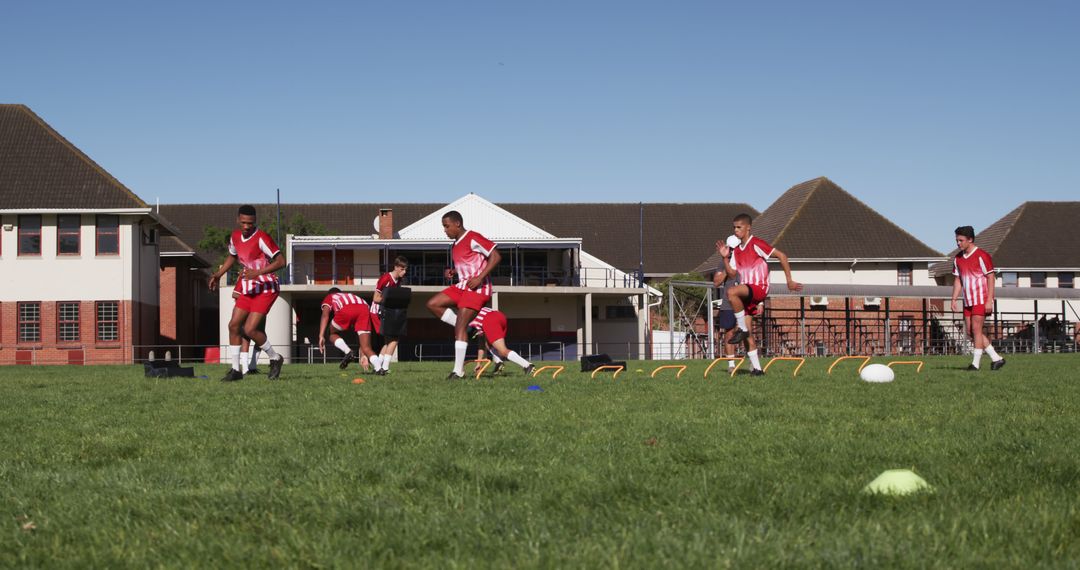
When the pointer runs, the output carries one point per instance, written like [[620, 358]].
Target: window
[[903, 273], [67, 321], [1038, 279], [108, 321], [1009, 279], [29, 322], [619, 312], [1065, 280], [108, 235], [68, 229], [30, 235]]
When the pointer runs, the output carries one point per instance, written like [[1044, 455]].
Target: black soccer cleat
[[233, 375], [530, 370], [739, 336], [345, 360], [997, 365], [757, 372], [454, 376], [380, 372], [253, 371], [498, 368], [972, 368], [275, 368]]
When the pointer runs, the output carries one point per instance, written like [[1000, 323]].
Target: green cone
[[898, 482]]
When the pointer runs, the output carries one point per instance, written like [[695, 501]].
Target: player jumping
[[974, 275], [257, 289], [474, 257], [350, 312], [749, 262]]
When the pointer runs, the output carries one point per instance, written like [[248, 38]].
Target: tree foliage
[[215, 239]]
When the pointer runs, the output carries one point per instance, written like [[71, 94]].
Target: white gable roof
[[478, 214]]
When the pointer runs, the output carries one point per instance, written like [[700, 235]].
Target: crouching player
[[349, 312], [490, 326]]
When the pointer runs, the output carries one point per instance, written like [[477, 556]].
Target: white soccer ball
[[877, 373], [733, 242]]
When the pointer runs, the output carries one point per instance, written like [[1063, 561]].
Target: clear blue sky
[[934, 113]]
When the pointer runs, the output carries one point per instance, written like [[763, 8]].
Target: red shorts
[[466, 299], [975, 310], [494, 327], [257, 303], [757, 295], [376, 323], [355, 317]]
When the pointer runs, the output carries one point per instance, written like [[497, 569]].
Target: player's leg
[[339, 342], [740, 296], [461, 339], [751, 348], [236, 337], [996, 361], [367, 353], [499, 347], [726, 320], [442, 305], [387, 353], [969, 331], [253, 329]]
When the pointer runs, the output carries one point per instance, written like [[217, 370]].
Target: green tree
[[215, 239], [688, 297]]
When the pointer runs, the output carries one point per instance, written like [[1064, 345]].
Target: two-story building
[[78, 252]]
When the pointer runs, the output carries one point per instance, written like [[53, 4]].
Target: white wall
[[842, 273], [87, 276]]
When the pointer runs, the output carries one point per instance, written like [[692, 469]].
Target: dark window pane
[[29, 245], [1065, 280], [68, 244], [108, 244]]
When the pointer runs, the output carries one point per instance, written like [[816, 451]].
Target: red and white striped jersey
[[750, 260], [341, 301], [255, 252], [478, 320], [385, 282], [470, 254], [972, 270]]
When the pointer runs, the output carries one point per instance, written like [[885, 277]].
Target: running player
[[257, 289], [490, 325], [974, 275], [749, 262], [349, 312], [392, 278], [475, 257]]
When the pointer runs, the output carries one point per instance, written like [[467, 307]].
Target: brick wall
[[48, 350]]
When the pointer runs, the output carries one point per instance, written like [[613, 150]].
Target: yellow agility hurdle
[[480, 369], [737, 359], [557, 370], [865, 361], [791, 358], [617, 370], [918, 368], [681, 367]]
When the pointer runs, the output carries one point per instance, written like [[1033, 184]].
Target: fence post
[[888, 338]]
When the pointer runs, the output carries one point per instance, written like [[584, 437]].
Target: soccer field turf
[[102, 467]]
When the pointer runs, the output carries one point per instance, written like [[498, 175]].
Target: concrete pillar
[[495, 300], [588, 325], [643, 325], [279, 327]]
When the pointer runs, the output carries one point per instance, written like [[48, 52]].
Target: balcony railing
[[514, 276]]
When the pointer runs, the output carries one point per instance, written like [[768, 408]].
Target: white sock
[[740, 318], [244, 359], [342, 345], [460, 347], [993, 353], [754, 360], [234, 356], [449, 317], [386, 361], [376, 362], [269, 350], [730, 363], [495, 358], [978, 357], [516, 359]]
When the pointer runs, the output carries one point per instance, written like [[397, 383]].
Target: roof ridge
[[816, 184], [1019, 214], [887, 220], [78, 153]]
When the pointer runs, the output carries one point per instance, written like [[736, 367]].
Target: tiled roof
[[1034, 235], [176, 246], [817, 219], [39, 169], [676, 236]]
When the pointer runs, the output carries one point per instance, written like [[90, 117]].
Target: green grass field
[[102, 467]]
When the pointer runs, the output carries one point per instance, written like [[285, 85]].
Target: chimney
[[386, 223]]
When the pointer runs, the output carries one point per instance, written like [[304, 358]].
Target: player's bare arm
[[323, 322], [792, 284], [229, 261], [493, 261], [990, 282], [956, 289]]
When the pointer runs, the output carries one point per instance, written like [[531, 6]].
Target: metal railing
[[509, 275]]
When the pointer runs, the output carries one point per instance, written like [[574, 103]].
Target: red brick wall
[[48, 351], [168, 300]]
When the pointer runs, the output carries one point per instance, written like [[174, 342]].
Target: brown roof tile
[[1033, 235], [39, 169], [817, 219]]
